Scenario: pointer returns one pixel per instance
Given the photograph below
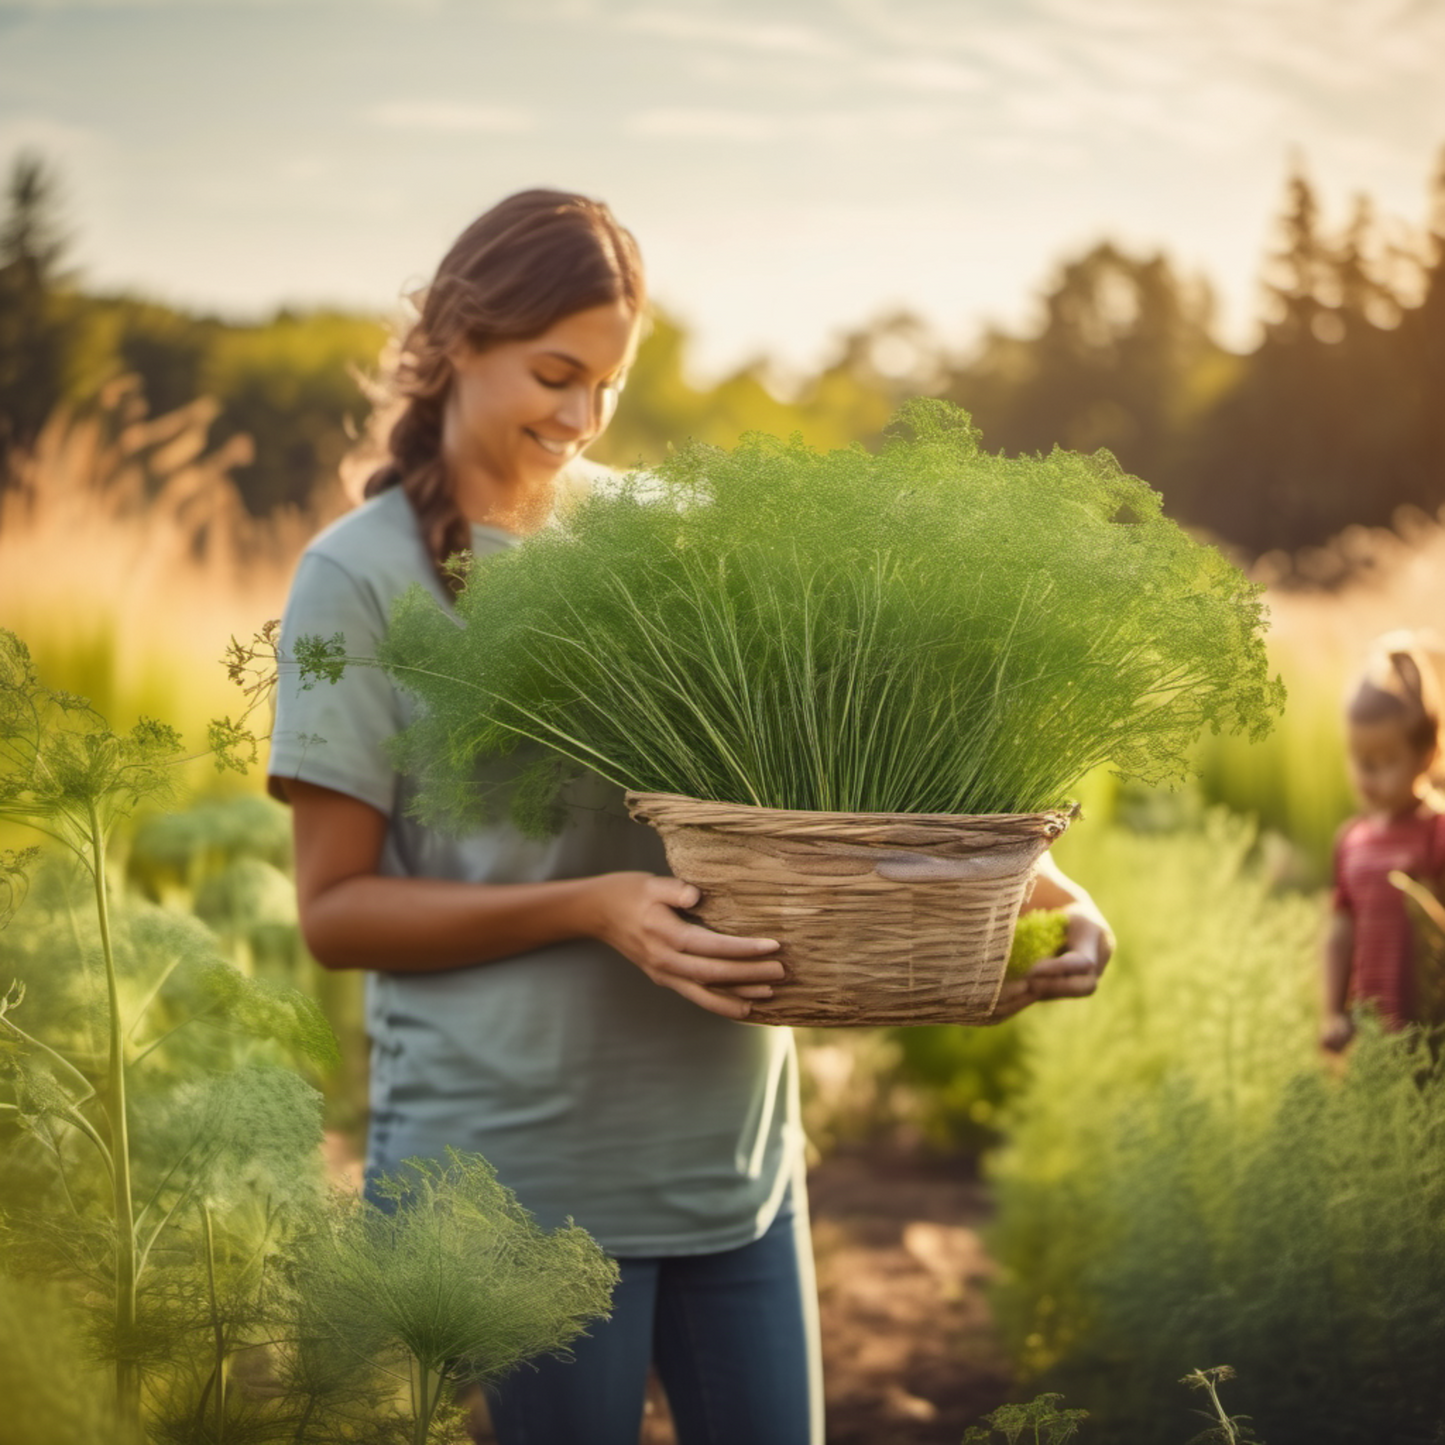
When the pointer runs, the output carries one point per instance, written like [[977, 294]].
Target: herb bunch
[[931, 629]]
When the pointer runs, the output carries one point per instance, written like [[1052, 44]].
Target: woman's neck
[[483, 500], [488, 498]]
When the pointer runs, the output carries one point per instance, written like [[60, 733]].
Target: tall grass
[[128, 559]]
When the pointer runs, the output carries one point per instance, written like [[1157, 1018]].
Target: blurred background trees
[[1334, 418], [289, 384]]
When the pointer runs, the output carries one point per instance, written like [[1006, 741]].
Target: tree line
[[1335, 416]]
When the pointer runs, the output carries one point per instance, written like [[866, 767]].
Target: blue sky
[[790, 167]]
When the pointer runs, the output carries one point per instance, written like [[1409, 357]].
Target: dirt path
[[909, 1354]]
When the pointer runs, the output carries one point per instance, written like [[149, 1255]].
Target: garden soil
[[909, 1352]]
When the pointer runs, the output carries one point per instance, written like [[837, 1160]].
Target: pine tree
[[33, 332]]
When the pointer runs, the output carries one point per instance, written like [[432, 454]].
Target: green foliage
[[1329, 421], [185, 848], [36, 331], [849, 400], [931, 629], [1295, 781], [455, 1280], [1040, 933], [15, 865], [1184, 1180], [63, 770], [52, 1395], [950, 1083], [162, 1167], [292, 386], [1041, 1421], [1224, 1429], [1045, 1421], [220, 1145], [1123, 359]]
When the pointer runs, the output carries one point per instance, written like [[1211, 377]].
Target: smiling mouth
[[556, 448]]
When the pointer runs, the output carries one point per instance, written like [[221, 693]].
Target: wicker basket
[[883, 918]]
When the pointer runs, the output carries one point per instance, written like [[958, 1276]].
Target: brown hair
[[1399, 685], [531, 260]]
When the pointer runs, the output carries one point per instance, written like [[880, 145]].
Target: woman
[[509, 999]]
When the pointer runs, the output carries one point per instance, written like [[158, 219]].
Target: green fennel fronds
[[1041, 1421], [934, 628], [1039, 934], [66, 774], [456, 1282]]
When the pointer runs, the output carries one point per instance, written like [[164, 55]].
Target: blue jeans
[[734, 1339]]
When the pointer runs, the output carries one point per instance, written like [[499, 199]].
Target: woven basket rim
[[878, 829]]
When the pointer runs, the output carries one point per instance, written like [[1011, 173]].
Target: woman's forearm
[[354, 916], [427, 925]]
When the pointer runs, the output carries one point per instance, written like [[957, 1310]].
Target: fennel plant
[[455, 1281], [160, 1160], [66, 774], [1182, 1179], [931, 629]]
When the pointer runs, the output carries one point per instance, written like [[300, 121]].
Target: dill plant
[[931, 629], [1182, 1179], [454, 1281], [160, 1157], [92, 1190]]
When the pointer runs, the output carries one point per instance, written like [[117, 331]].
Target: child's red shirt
[[1382, 969]]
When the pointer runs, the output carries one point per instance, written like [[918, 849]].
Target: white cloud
[[778, 37], [928, 72], [682, 123], [899, 122], [453, 118], [829, 127]]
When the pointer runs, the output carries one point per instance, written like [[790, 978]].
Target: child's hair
[[1399, 685]]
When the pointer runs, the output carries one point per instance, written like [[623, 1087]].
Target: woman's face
[[519, 411]]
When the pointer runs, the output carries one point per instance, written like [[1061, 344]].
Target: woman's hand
[[1074, 973], [637, 915]]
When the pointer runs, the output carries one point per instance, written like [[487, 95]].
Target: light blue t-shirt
[[659, 1127]]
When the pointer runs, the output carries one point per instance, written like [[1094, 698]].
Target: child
[[1393, 722]]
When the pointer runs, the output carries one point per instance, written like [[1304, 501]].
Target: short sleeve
[[334, 734]]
